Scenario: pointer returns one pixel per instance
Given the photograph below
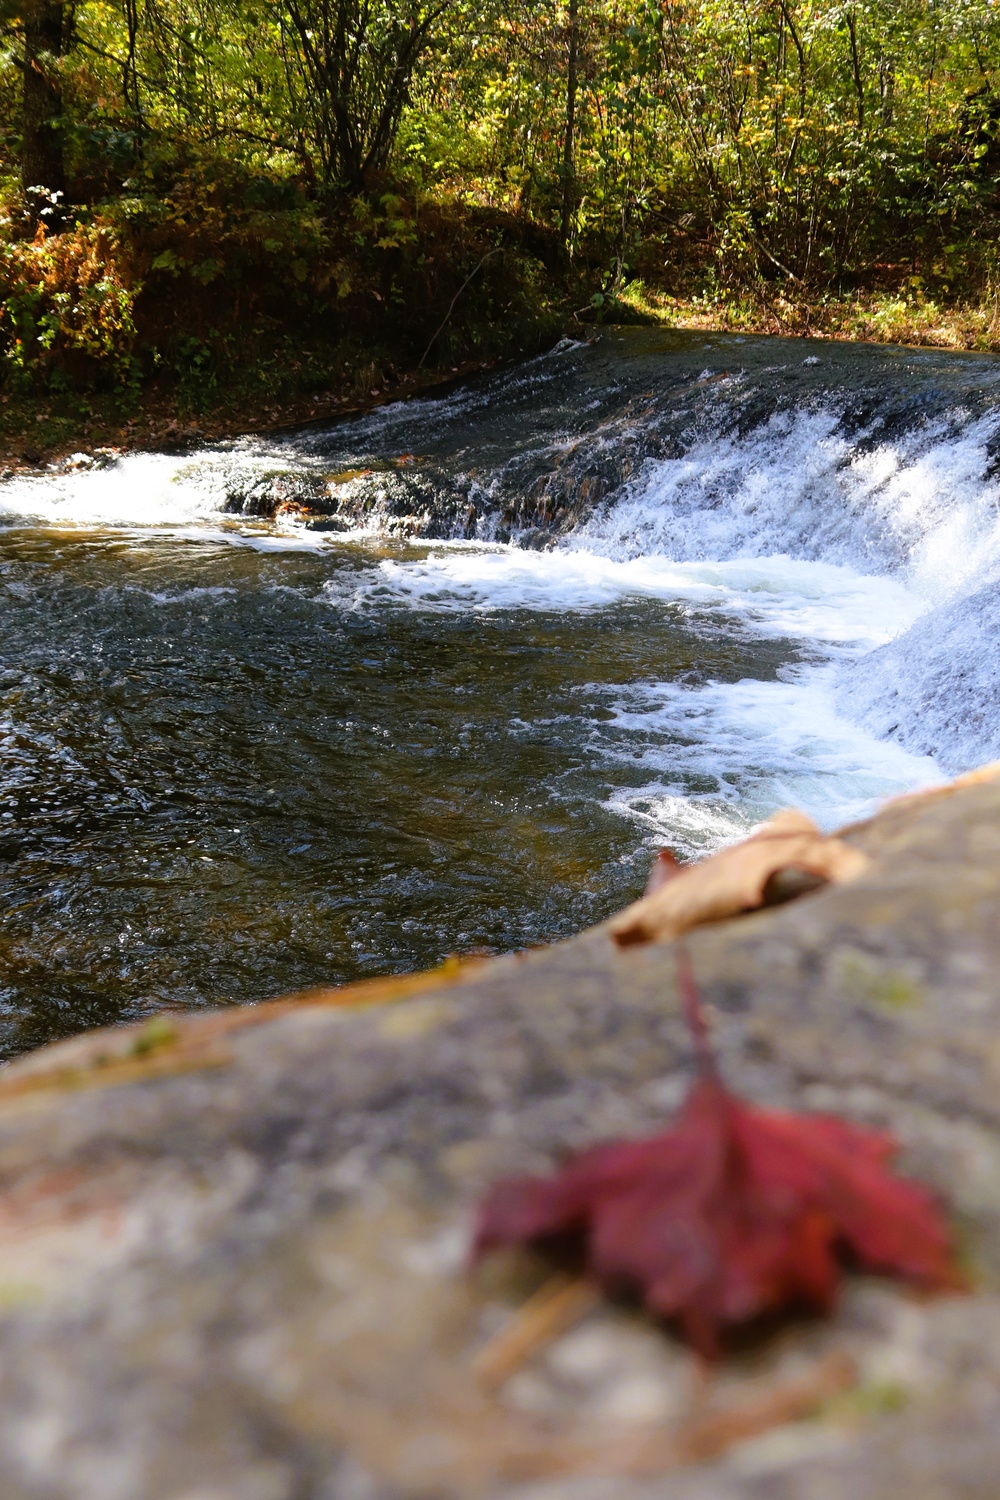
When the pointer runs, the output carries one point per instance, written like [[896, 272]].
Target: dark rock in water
[[76, 463], [535, 540], [266, 495], [233, 1245], [328, 523], [425, 503]]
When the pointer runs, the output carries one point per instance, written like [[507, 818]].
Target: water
[[642, 591]]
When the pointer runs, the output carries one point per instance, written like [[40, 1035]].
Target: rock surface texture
[[233, 1247]]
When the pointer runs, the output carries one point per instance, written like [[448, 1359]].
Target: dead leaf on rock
[[733, 1212], [786, 857]]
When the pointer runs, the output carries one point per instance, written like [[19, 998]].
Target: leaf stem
[[694, 1013]]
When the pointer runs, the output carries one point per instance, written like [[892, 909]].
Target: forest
[[263, 201]]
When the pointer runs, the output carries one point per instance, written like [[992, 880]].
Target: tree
[[352, 64], [569, 126], [43, 173]]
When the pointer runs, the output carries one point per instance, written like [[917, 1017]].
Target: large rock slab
[[233, 1247]]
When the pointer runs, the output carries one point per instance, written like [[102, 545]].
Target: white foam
[[754, 747], [776, 596], [145, 490], [290, 538], [936, 689], [141, 493], [921, 509], [730, 496]]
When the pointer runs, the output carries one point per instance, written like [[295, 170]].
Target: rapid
[[343, 701]]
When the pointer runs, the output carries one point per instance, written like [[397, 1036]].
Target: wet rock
[[547, 491], [403, 502], [78, 463], [535, 540], [233, 1245], [269, 494], [328, 523]]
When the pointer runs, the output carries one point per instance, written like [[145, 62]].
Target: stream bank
[[37, 430]]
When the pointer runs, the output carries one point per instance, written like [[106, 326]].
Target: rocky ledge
[[233, 1246]]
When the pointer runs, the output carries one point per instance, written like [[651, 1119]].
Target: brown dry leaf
[[736, 879]]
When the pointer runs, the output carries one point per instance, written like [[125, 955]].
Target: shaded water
[[238, 756], [219, 785]]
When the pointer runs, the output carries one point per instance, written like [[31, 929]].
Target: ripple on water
[[239, 756]]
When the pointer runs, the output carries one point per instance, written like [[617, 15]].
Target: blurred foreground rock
[[232, 1247]]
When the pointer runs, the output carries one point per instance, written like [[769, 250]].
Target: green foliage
[[66, 301], [242, 171], [195, 369], [797, 140]]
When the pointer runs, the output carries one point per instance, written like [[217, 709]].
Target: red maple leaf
[[733, 1212]]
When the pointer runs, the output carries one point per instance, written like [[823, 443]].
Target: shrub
[[66, 309]]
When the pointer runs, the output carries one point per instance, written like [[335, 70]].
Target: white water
[[147, 492], [756, 745], [764, 744], [146, 489], [882, 559], [876, 559], [918, 509], [779, 595], [879, 560]]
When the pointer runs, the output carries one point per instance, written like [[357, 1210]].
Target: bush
[[66, 309]]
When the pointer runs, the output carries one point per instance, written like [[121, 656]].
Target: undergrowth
[[235, 288], [226, 299]]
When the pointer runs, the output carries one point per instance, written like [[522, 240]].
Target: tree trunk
[[42, 145], [130, 74], [569, 135]]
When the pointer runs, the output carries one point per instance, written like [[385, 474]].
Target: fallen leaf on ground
[[734, 1212], [784, 858]]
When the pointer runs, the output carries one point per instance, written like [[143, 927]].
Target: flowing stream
[[641, 591]]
